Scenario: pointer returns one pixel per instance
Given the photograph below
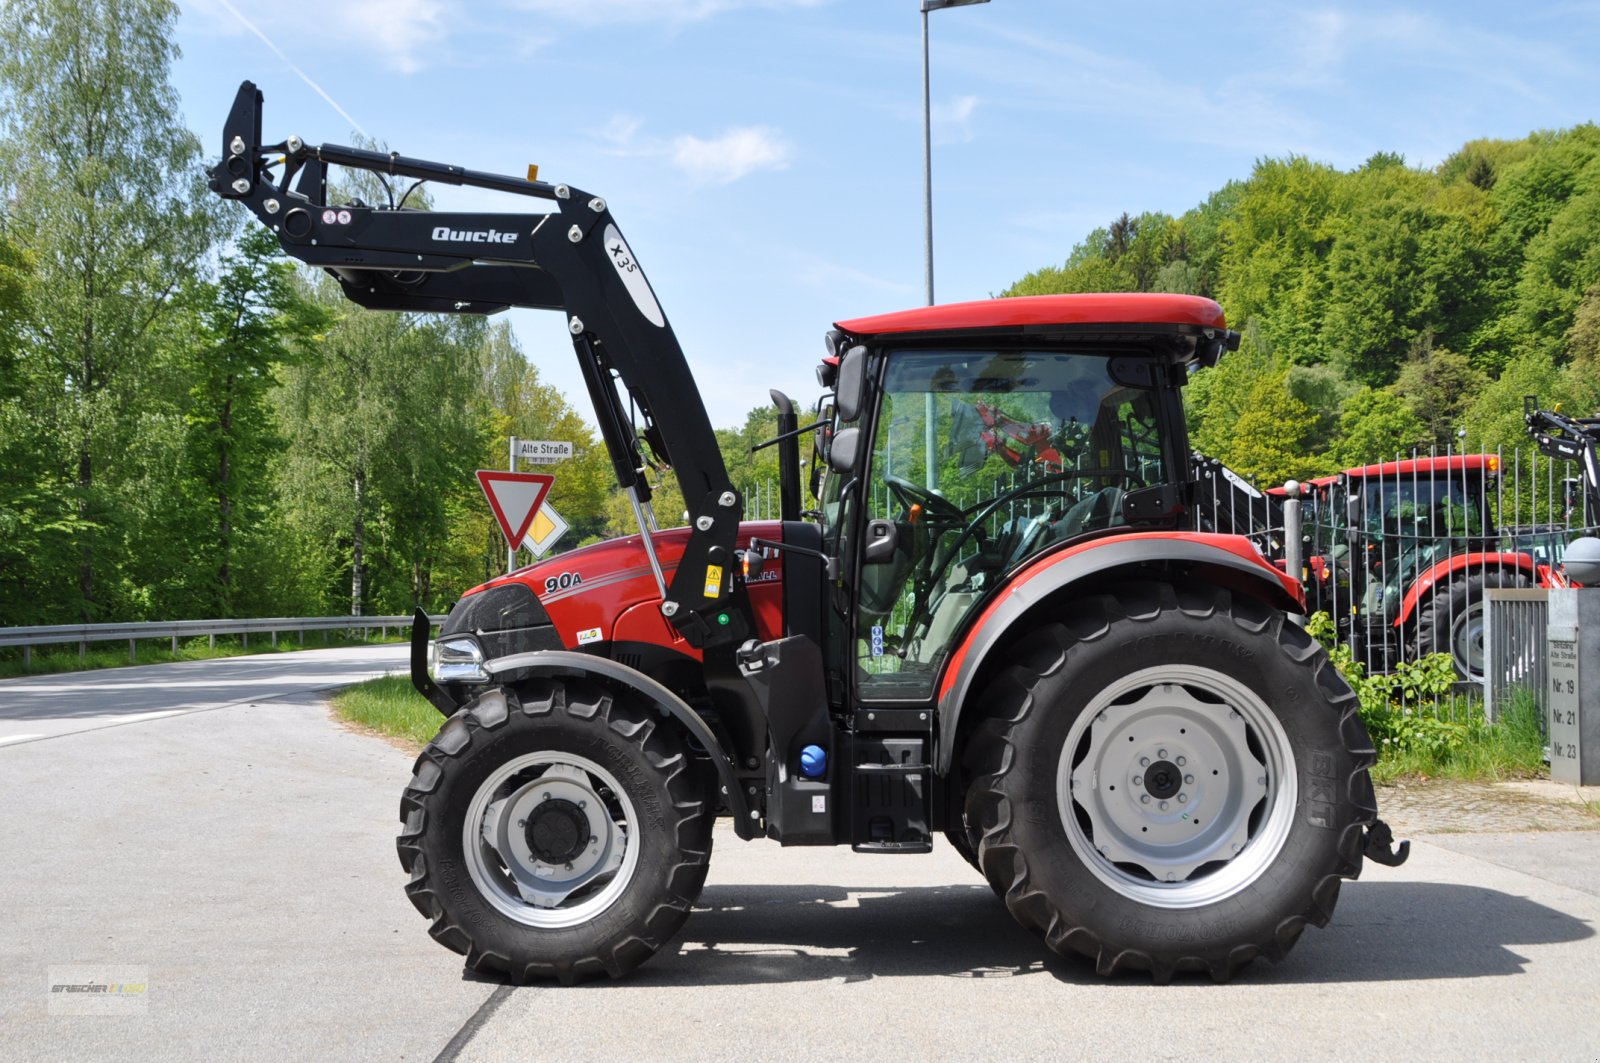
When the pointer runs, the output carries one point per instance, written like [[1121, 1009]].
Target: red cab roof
[[1114, 308], [1457, 463]]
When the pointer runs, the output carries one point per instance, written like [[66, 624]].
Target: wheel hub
[[1163, 780], [548, 839], [558, 832]]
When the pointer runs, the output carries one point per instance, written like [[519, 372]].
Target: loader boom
[[572, 259]]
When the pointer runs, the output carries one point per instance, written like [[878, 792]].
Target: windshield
[[983, 459]]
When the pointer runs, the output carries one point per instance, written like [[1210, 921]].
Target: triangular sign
[[515, 497]]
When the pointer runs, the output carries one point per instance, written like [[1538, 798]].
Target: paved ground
[[241, 854]]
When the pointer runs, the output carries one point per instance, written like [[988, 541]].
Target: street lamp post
[[927, 142], [930, 475]]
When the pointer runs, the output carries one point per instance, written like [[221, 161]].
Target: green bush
[[1421, 726]]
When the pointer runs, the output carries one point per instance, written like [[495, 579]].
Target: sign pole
[[511, 466]]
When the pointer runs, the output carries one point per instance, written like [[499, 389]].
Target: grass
[[1478, 751], [390, 707], [49, 660]]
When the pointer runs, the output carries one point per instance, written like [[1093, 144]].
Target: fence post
[[174, 645], [133, 655], [1292, 532], [27, 656]]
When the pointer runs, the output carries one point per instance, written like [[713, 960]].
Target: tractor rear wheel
[[1453, 620], [1169, 779], [555, 829]]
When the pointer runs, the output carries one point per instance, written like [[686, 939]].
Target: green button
[[722, 618]]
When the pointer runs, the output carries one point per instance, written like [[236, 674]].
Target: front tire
[[555, 829], [1169, 779]]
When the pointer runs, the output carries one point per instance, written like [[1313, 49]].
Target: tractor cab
[[979, 445]]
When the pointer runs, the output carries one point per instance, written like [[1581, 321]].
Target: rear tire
[[1453, 619], [1169, 779], [555, 830]]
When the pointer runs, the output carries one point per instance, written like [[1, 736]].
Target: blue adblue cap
[[813, 761]]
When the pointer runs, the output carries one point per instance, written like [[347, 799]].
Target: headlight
[[456, 660]]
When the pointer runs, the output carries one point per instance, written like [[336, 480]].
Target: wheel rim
[[548, 839], [1177, 786], [1466, 645]]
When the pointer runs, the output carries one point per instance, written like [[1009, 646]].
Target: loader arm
[[1572, 438], [573, 259]]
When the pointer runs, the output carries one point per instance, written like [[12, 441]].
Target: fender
[[1443, 570], [1053, 573], [566, 663]]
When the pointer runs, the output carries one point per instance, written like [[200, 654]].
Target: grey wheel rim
[[548, 839], [1177, 786], [1466, 644]]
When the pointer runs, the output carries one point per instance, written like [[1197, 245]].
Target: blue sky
[[764, 157]]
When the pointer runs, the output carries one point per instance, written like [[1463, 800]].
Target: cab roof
[[1112, 308]]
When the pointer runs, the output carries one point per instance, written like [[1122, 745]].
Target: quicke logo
[[473, 236]]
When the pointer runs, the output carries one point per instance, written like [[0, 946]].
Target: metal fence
[[1410, 568], [83, 634], [1515, 649]]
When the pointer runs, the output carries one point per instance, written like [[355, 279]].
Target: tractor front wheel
[[1169, 778], [555, 829]]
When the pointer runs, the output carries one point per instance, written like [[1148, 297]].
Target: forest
[[191, 426], [1383, 309]]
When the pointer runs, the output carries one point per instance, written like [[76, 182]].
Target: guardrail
[[83, 634]]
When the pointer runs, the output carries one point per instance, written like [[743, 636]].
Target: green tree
[[106, 204], [1375, 424]]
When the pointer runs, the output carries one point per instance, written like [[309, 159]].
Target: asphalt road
[[237, 854]]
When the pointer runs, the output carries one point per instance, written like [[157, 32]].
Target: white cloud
[[952, 122], [674, 12], [397, 31], [737, 153]]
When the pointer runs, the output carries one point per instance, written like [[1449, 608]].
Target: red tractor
[[1403, 552], [1107, 712]]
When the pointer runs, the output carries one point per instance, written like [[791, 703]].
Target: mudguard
[[566, 663], [1229, 559], [1441, 573]]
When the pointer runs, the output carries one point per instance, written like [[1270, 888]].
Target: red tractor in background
[[1400, 553], [1107, 711]]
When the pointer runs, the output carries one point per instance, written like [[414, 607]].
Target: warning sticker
[[713, 581], [588, 635]]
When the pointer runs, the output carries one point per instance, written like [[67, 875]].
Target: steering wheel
[[937, 506]]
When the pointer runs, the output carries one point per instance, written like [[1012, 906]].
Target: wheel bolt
[[1181, 762], [1138, 780], [1163, 806], [569, 867], [1144, 762], [1189, 779], [522, 823], [1183, 799], [583, 804], [1162, 753], [546, 797], [593, 840], [1144, 798], [1262, 780]]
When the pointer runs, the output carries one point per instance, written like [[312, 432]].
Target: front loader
[[1108, 712]]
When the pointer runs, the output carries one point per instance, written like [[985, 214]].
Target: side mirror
[[845, 449], [852, 383]]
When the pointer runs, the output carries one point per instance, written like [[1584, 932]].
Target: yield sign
[[515, 497]]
